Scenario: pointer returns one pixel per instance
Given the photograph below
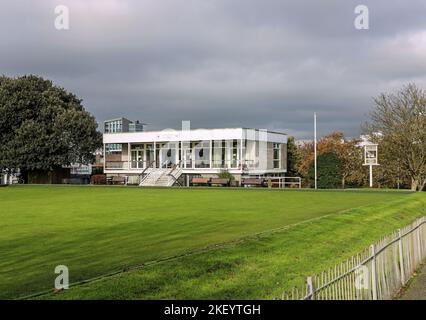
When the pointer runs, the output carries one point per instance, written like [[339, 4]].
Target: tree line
[[397, 124], [44, 127]]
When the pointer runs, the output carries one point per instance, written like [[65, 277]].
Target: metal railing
[[377, 273], [140, 164], [244, 165], [285, 182], [175, 173], [144, 174]]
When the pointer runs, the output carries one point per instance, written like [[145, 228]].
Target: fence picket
[[390, 262]]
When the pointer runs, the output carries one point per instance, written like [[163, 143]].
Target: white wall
[[194, 135]]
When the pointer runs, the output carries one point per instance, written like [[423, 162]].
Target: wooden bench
[[219, 181], [253, 182], [98, 179], [118, 180], [200, 181]]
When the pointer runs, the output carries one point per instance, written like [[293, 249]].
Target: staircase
[[161, 177]]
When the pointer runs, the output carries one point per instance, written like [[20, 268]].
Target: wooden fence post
[[401, 257], [373, 271], [419, 244], [383, 271], [311, 287]]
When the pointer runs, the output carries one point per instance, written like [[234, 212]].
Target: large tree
[[348, 152], [329, 171], [398, 125], [293, 158], [43, 126]]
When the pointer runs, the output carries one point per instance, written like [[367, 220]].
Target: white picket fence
[[377, 273]]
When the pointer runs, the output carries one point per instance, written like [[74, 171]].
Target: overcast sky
[[221, 63]]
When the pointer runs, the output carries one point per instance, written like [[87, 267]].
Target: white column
[[263, 149], [145, 150], [155, 154], [211, 153], [192, 154], [371, 176], [128, 156], [177, 152], [241, 155], [160, 156], [228, 154], [180, 152], [104, 157]]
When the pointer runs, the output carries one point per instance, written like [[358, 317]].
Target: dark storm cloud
[[220, 63]]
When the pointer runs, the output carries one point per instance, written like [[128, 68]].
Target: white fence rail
[[377, 273], [285, 182]]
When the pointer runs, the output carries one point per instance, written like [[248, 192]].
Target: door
[[134, 159], [149, 155], [187, 158], [137, 159]]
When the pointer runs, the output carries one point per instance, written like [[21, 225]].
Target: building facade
[[199, 152], [8, 178], [120, 125]]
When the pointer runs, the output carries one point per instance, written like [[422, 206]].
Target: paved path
[[417, 289]]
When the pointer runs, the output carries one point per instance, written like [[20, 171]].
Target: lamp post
[[315, 148]]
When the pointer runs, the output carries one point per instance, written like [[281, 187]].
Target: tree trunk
[[423, 185], [415, 184], [343, 183], [24, 176]]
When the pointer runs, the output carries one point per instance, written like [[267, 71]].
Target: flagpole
[[315, 148]]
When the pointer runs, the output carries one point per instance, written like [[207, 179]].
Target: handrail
[[175, 166], [144, 170]]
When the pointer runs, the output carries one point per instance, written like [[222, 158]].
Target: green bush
[[329, 171], [225, 174]]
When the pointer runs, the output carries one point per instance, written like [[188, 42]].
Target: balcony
[[116, 165], [185, 164]]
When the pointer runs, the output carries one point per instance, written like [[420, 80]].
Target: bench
[[98, 179], [118, 180], [219, 181], [200, 181], [253, 182]]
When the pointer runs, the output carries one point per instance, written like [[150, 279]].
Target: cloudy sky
[[221, 63]]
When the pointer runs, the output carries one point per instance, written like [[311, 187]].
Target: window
[[277, 155], [168, 153], [219, 153], [202, 154], [112, 147], [234, 154]]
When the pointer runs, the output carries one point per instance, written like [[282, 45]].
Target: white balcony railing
[[185, 164]]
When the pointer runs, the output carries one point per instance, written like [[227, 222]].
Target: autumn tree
[[351, 157], [398, 125], [347, 150]]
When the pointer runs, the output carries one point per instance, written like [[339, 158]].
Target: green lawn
[[98, 230]]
